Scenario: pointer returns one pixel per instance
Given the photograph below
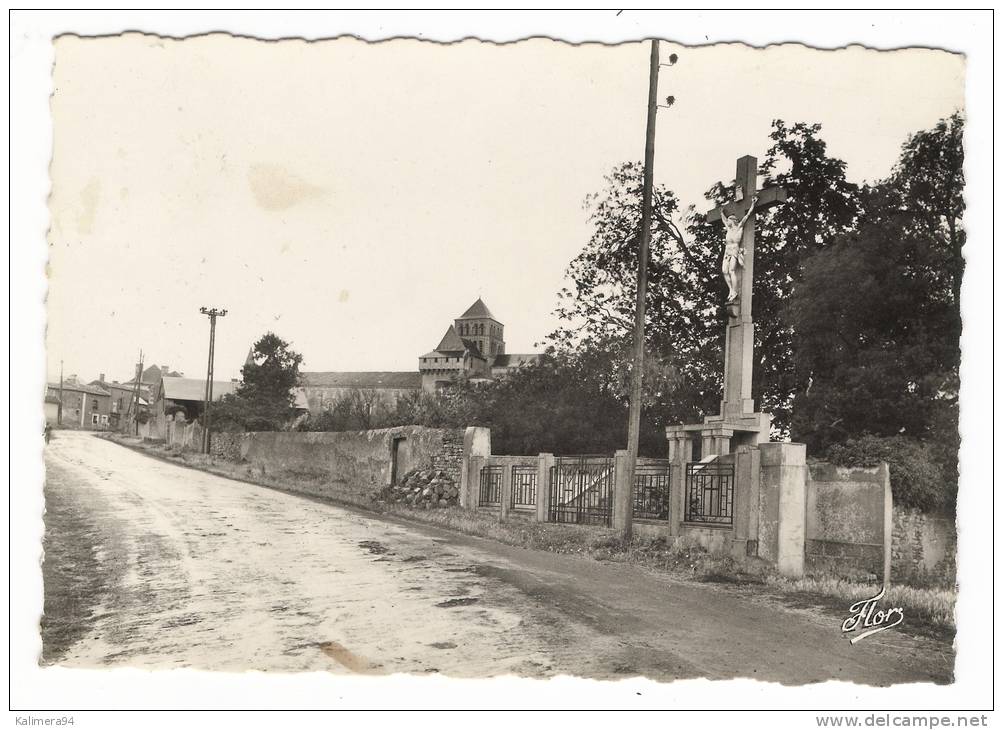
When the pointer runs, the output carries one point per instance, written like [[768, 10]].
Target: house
[[186, 396], [123, 398], [51, 409], [152, 375], [83, 406]]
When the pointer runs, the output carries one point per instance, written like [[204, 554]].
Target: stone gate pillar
[[783, 498]]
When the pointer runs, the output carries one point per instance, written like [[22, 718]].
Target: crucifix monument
[[738, 422]]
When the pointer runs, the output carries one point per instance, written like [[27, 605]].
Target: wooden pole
[[207, 401], [634, 418], [134, 407], [208, 379], [212, 358]]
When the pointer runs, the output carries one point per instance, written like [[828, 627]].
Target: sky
[[355, 198]]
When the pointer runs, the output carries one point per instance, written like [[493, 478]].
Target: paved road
[[149, 564]]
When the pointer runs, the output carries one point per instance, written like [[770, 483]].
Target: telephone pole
[[207, 403], [134, 405], [634, 418]]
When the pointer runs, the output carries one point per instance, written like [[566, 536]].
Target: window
[[94, 419], [104, 420], [94, 404]]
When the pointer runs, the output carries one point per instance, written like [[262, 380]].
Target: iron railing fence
[[489, 494], [710, 493], [581, 490], [524, 487], [652, 493]]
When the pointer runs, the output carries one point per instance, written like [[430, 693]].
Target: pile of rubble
[[425, 488]]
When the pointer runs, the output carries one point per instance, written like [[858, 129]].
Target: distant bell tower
[[479, 326]]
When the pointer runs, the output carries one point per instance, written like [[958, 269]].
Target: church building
[[472, 347]]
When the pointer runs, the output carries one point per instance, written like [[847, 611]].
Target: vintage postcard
[[614, 361]]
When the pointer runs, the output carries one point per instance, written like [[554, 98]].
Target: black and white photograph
[[414, 366]]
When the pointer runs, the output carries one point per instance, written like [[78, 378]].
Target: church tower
[[479, 326]]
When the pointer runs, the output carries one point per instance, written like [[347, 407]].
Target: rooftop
[[403, 380], [194, 388], [79, 388], [478, 310], [451, 342]]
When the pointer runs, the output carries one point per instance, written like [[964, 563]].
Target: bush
[[918, 478]]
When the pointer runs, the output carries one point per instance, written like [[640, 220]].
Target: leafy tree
[[877, 315], [685, 320], [871, 341], [265, 399], [927, 186]]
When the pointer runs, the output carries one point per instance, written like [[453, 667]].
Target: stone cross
[[740, 331]]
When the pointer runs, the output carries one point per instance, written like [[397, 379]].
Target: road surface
[[149, 564]]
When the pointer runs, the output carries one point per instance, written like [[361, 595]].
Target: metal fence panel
[[710, 490], [489, 494], [652, 493], [524, 487], [581, 490]]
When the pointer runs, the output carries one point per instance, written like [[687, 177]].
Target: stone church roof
[[477, 310], [451, 342]]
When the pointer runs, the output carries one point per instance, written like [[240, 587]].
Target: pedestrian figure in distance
[[734, 256]]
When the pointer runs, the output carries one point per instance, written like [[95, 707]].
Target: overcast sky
[[355, 198]]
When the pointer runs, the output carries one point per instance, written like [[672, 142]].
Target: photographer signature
[[864, 616]]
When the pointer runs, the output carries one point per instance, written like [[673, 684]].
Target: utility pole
[[134, 406], [207, 403], [634, 418], [59, 411]]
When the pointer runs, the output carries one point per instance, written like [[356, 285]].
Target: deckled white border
[[46, 691]]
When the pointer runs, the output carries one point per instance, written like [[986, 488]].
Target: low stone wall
[[449, 457], [347, 464], [924, 548], [227, 446], [845, 519]]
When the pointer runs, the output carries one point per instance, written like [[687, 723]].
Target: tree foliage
[[915, 469], [878, 318], [685, 320], [265, 398]]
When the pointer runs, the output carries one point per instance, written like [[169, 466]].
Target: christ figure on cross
[[734, 256]]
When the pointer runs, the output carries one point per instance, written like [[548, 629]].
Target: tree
[[685, 320], [928, 185], [265, 398], [877, 317]]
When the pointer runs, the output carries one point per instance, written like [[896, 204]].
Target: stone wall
[[226, 446], [347, 464], [924, 548], [845, 519], [449, 458]]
